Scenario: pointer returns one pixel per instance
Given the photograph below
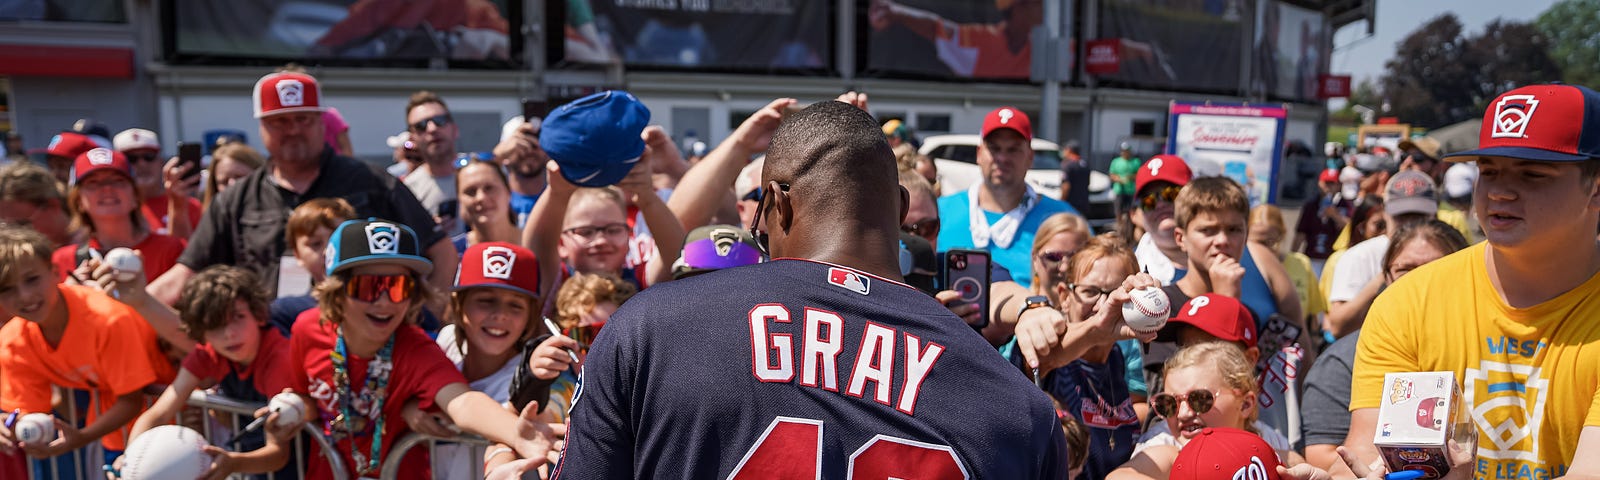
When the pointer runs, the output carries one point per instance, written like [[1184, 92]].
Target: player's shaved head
[[843, 185]]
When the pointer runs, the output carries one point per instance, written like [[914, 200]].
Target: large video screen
[[734, 35], [1175, 45], [1291, 49], [951, 38], [345, 30]]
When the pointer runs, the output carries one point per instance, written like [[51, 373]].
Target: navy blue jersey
[[795, 369]]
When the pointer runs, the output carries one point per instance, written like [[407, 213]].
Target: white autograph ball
[[125, 262], [1147, 311], [289, 406], [36, 428]]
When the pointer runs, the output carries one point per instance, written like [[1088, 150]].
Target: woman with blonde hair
[[1058, 238], [1211, 384], [1267, 229]]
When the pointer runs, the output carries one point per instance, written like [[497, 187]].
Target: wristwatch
[[1036, 301]]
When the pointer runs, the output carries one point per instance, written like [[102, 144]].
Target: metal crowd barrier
[[84, 463], [244, 412], [473, 444]]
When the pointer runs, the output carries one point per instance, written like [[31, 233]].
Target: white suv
[[956, 157]]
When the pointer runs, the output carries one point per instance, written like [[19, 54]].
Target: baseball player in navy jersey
[[818, 364]]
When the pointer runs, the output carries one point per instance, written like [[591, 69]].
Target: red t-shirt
[[420, 370], [107, 348], [270, 373], [155, 213], [160, 253]]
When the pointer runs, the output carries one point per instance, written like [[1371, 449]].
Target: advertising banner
[[1186, 46], [740, 35], [952, 38], [1333, 86], [1240, 141], [1291, 52], [358, 30], [1104, 58]]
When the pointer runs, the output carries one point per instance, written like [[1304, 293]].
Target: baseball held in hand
[[1147, 310], [125, 262], [166, 452], [36, 428], [289, 406]]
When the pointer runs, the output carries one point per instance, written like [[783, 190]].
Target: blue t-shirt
[[1018, 258], [1097, 395], [522, 205]]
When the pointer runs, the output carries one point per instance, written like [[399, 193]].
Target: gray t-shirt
[[1325, 410]]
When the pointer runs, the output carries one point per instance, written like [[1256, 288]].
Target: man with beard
[[522, 157], [245, 224]]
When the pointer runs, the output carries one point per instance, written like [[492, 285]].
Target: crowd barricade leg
[[241, 414], [82, 464], [459, 457]]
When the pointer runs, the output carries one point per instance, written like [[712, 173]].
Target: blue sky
[[1363, 57]]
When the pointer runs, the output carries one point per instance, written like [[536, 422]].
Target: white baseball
[[36, 428], [125, 262], [1147, 311], [289, 406], [166, 452]]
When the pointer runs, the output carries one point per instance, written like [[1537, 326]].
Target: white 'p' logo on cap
[[1005, 115]]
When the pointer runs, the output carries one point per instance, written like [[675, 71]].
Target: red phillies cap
[[1007, 117], [1221, 316], [498, 265], [1166, 168], [97, 159], [1218, 452], [286, 92], [69, 145], [1547, 123]]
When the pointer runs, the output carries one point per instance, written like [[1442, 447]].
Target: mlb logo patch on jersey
[[849, 280]]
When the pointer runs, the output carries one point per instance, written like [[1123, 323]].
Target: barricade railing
[[472, 445], [84, 463], [244, 412]]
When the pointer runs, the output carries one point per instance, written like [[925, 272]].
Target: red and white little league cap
[[99, 159], [1221, 316], [1226, 453], [498, 265], [1166, 168], [286, 92], [69, 145], [1007, 117], [136, 139], [1547, 123]]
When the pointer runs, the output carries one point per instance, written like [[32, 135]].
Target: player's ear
[[781, 206], [905, 204]]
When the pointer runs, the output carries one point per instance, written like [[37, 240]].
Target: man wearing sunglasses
[[816, 364], [1000, 212], [245, 224], [167, 192], [434, 132]]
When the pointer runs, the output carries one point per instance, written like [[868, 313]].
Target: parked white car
[[956, 157]]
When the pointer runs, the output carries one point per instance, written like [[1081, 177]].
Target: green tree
[[1439, 77], [1574, 36]]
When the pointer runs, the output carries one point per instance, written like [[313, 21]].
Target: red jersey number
[[791, 449]]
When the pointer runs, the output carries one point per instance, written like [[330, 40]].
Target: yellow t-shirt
[[1531, 374], [1325, 284], [1298, 266]]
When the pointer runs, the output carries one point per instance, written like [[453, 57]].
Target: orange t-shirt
[[995, 58], [107, 349]]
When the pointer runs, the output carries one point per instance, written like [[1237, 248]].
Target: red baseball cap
[[69, 145], [1165, 168], [1226, 453], [1221, 316], [97, 159], [498, 265], [1007, 117], [286, 92], [1329, 175], [1547, 123]]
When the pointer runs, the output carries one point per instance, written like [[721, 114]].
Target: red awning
[[60, 61]]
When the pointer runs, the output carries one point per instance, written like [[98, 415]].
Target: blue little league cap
[[360, 242], [596, 139]]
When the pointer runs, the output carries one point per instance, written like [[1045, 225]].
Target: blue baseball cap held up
[[596, 139]]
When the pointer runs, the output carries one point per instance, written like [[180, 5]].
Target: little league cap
[[596, 139], [715, 247], [374, 240], [1165, 168], [69, 145], [498, 265], [286, 92], [1547, 123], [136, 139], [1221, 316], [1410, 191], [98, 159], [1007, 117], [1226, 453]]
